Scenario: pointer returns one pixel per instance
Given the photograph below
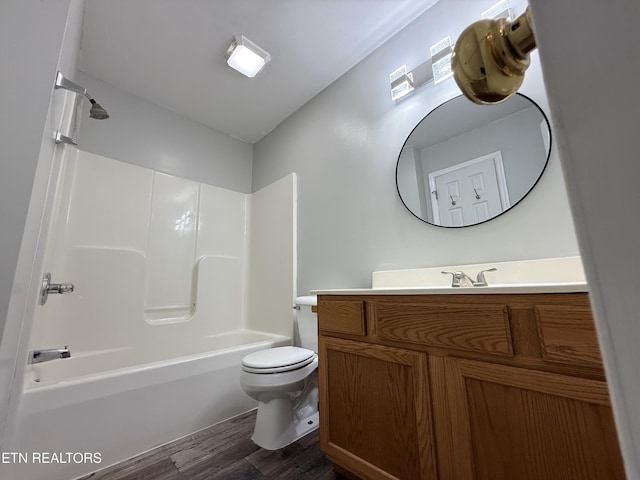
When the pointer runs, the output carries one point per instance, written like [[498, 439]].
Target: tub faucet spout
[[39, 356]]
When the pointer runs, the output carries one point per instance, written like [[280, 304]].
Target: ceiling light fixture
[[245, 56]]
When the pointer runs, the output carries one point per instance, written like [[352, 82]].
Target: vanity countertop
[[493, 289], [552, 275]]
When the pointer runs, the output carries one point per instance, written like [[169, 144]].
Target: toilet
[[284, 381]]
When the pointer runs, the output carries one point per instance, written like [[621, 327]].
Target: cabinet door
[[498, 422], [375, 410]]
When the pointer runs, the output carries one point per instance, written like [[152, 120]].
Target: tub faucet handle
[[61, 288], [48, 287]]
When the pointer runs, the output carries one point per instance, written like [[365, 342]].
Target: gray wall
[[344, 145], [596, 114], [151, 136], [410, 181], [31, 34]]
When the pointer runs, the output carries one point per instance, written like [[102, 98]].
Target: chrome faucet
[[461, 279], [39, 356]]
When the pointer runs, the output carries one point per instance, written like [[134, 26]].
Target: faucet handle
[[48, 288], [480, 280], [456, 277], [455, 281]]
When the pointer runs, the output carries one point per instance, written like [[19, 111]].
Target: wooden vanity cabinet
[[457, 387], [379, 410]]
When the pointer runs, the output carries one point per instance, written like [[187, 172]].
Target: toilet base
[[282, 421]]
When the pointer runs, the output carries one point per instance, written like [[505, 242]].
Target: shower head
[[96, 111]]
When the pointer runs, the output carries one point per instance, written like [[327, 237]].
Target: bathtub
[[110, 405]]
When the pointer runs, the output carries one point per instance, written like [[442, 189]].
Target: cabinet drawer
[[567, 334], [344, 316], [476, 328]]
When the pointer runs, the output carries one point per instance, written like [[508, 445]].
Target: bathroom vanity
[[454, 386]]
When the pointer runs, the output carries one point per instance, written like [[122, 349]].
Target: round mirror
[[464, 164]]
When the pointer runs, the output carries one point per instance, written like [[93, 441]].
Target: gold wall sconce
[[490, 57]]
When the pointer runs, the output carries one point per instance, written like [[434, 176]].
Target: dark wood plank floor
[[226, 452]]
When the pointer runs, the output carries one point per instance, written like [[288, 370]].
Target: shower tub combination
[[156, 340], [116, 404]]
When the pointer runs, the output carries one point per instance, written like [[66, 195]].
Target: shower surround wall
[[162, 313], [152, 256]]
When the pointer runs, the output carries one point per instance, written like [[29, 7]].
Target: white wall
[[272, 257], [591, 69], [145, 134], [344, 145]]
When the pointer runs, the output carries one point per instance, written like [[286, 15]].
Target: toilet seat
[[277, 360]]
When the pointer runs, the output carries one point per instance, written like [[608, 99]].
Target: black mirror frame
[[546, 163]]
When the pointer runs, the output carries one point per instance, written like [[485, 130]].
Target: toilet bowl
[[284, 381]]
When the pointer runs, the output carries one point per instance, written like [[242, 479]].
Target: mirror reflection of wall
[[464, 164]]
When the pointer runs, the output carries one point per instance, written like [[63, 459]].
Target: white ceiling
[[170, 52]]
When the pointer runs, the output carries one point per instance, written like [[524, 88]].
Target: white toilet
[[284, 380]]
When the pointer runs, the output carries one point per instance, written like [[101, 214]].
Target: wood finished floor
[[226, 452]]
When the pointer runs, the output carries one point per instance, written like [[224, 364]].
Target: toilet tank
[[307, 322]]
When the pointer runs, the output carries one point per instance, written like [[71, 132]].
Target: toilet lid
[[277, 360]]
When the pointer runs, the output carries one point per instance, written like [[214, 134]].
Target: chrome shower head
[[97, 111]]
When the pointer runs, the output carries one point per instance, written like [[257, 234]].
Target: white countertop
[[549, 275], [494, 289]]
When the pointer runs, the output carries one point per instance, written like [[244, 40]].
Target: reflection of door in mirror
[[469, 192], [458, 130]]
